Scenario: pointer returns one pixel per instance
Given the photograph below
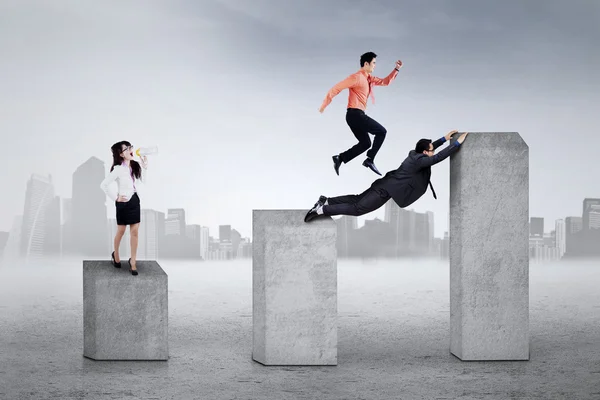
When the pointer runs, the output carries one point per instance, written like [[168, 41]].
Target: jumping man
[[360, 87], [405, 185]]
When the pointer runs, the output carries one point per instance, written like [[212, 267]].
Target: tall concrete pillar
[[489, 248], [294, 283]]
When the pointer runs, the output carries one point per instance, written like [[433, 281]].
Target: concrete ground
[[393, 338]]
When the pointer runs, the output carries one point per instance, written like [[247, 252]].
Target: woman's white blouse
[[126, 183]]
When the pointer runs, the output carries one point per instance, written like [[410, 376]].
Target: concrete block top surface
[[491, 140], [105, 269], [491, 164], [290, 217]]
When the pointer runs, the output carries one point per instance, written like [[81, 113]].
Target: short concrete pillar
[[125, 317], [489, 248], [294, 283]]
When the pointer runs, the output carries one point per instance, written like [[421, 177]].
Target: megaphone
[[145, 151]]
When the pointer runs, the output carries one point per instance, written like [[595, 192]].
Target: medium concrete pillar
[[125, 317], [489, 248], [294, 283]]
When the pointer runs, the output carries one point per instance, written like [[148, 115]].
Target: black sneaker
[[370, 164], [336, 164]]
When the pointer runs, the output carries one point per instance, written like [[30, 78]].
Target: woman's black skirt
[[128, 213]]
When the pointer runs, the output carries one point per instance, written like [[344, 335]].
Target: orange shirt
[[359, 86]]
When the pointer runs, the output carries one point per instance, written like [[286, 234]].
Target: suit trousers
[[361, 125], [357, 204]]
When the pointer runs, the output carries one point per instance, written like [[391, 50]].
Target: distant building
[[236, 239], [172, 227], [226, 249], [89, 212], [431, 231], [175, 223], [38, 196], [561, 238], [3, 240], [216, 251], [536, 227], [549, 239], [225, 233], [245, 249], [437, 246], [66, 232], [149, 234], [204, 242], [588, 208], [413, 230], [196, 241], [12, 249], [346, 225], [573, 225], [53, 231], [445, 247], [543, 249], [594, 216]]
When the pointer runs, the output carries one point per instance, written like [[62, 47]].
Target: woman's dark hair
[[367, 58], [117, 149], [422, 145]]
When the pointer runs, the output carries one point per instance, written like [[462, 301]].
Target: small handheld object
[[145, 151]]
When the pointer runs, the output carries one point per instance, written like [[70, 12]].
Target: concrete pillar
[[125, 317], [294, 283], [489, 248]]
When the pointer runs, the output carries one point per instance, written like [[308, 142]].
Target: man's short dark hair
[[367, 58], [422, 145]]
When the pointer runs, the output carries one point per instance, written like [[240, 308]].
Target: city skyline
[[110, 213], [83, 224], [51, 225]]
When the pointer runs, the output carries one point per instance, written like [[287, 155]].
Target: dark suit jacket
[[409, 182]]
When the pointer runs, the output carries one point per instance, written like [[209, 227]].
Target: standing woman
[[125, 170]]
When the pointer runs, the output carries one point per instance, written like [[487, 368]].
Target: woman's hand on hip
[[122, 199]]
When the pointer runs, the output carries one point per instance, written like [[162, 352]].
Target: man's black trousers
[[357, 204], [361, 125]]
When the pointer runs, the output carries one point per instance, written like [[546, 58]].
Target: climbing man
[[404, 185]]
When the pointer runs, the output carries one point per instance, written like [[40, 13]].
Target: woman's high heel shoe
[[114, 263], [133, 271]]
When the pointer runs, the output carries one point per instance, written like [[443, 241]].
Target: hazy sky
[[229, 91]]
